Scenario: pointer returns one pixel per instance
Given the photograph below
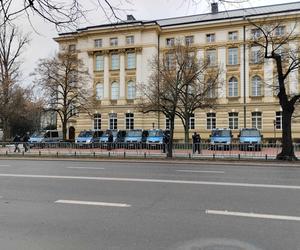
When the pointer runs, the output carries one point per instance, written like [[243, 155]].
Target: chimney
[[130, 18], [214, 8]]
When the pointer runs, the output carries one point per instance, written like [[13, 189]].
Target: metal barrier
[[145, 150]]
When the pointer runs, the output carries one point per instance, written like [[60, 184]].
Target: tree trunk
[[64, 130], [170, 144], [6, 130], [287, 152], [186, 131]]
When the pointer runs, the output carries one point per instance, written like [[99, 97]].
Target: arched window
[[115, 90], [131, 90], [256, 86], [233, 87], [99, 91]]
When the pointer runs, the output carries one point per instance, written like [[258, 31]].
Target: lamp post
[[274, 123]]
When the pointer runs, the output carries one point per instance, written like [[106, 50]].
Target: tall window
[[72, 47], [115, 91], [256, 86], [99, 91], [170, 42], [211, 90], [256, 55], [278, 120], [233, 56], [233, 87], [98, 43], [170, 60], [99, 63], [131, 60], [97, 121], [115, 61], [211, 121], [129, 40], [113, 121], [131, 90], [256, 33], [211, 56], [279, 31], [129, 120], [256, 120], [114, 41], [232, 35], [233, 120], [168, 123], [189, 40], [192, 121], [210, 38]]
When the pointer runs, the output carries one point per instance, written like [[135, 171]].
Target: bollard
[[266, 156], [6, 152], [108, 154], [40, 153], [190, 156], [94, 154], [56, 154], [145, 155], [23, 153], [239, 156], [214, 156], [124, 154], [75, 154]]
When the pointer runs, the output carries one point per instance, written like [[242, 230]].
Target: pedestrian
[[166, 141], [196, 142], [25, 141], [17, 141], [110, 140]]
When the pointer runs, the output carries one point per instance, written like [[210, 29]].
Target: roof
[[208, 17]]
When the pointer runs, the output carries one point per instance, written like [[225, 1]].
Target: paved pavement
[[77, 205]]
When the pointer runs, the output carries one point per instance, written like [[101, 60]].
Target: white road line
[[201, 171], [4, 165], [93, 203], [253, 215], [86, 168], [212, 183]]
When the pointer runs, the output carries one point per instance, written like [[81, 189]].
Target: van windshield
[[38, 134], [254, 133], [220, 133], [154, 133], [86, 134], [114, 133], [134, 133]]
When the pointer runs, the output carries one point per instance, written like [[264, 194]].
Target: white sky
[[42, 44]]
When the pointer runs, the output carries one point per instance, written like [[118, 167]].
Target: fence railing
[[145, 150]]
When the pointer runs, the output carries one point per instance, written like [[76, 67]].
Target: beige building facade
[[117, 57]]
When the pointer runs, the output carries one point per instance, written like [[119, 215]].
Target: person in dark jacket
[[25, 141], [196, 142], [17, 141], [110, 140]]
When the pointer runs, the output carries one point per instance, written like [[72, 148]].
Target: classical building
[[117, 57]]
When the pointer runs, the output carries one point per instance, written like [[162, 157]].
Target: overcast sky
[[42, 44]]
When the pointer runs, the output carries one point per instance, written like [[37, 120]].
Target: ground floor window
[[168, 124], [211, 121], [192, 121], [97, 121], [113, 121], [256, 120], [233, 120], [129, 120]]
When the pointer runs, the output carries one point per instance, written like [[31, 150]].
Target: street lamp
[[274, 123]]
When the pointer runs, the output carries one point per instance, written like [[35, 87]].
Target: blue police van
[[220, 138], [250, 139]]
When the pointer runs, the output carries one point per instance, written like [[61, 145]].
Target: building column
[[138, 71], [122, 78], [106, 99]]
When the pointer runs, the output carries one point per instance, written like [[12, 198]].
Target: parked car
[[88, 137], [221, 138], [118, 135], [135, 138], [155, 138], [48, 136], [250, 139]]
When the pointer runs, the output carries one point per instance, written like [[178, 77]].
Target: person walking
[[110, 140], [17, 141], [25, 141], [196, 143]]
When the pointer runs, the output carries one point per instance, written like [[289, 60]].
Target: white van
[[47, 136]]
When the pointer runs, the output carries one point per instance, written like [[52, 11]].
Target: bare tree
[[12, 42], [279, 44], [63, 79]]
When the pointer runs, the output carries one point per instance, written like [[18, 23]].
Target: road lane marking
[[201, 171], [92, 203], [4, 165], [211, 183], [253, 215], [86, 168]]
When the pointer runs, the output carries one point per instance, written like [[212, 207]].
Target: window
[[211, 56], [169, 60], [189, 40], [131, 90], [98, 43], [256, 55], [129, 40], [233, 56], [114, 41], [211, 90], [232, 35], [97, 121], [99, 63], [256, 86], [278, 120], [233, 120], [210, 38], [170, 42], [168, 123], [233, 87], [129, 120], [72, 47], [115, 89], [256, 120], [192, 121], [99, 91], [279, 31], [211, 121], [131, 60], [113, 121], [256, 33], [115, 61]]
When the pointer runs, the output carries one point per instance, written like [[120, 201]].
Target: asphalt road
[[76, 205]]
